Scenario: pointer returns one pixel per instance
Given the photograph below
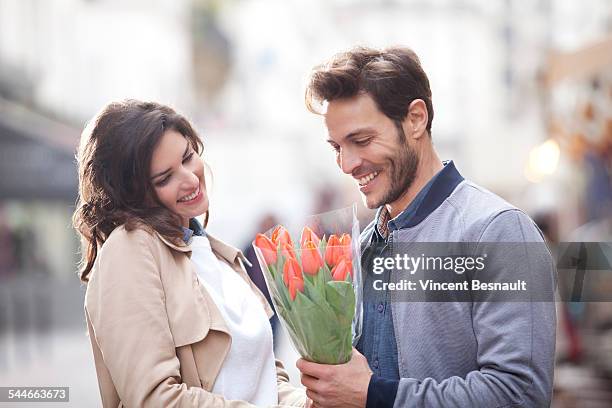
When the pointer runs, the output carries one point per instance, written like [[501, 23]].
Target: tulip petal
[[281, 236], [343, 269], [267, 247], [308, 235], [311, 258]]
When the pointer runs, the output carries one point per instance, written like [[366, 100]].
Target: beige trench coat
[[158, 339]]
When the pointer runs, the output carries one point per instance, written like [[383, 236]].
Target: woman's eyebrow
[[167, 170], [186, 150]]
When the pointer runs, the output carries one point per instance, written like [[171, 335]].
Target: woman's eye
[[163, 181], [188, 158]]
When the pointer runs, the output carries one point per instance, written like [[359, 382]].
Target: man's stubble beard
[[402, 169]]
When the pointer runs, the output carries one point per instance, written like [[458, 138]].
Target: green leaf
[[322, 246], [308, 278], [280, 260], [282, 291], [321, 280], [317, 296], [322, 332], [341, 298], [272, 270], [316, 331], [340, 289], [326, 274], [319, 320]]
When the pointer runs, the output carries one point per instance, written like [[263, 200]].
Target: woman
[[172, 316]]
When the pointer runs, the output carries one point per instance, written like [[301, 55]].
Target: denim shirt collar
[[195, 228], [426, 201]]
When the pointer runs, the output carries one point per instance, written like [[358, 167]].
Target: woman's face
[[177, 175]]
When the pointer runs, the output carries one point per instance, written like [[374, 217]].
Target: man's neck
[[429, 165]]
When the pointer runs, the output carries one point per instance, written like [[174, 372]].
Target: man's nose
[[348, 161]]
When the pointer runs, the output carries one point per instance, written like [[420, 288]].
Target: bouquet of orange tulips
[[313, 283]]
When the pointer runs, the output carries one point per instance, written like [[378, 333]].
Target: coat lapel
[[236, 258], [200, 324]]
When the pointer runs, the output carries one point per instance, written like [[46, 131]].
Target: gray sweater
[[479, 353]]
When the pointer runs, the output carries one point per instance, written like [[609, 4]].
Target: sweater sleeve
[[516, 339]]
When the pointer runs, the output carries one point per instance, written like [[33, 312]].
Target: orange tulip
[[292, 276], [295, 285], [267, 247], [291, 270], [311, 258], [281, 236], [287, 251], [343, 269], [309, 235], [333, 251], [345, 241]]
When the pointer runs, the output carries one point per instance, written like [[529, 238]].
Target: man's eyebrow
[[359, 132], [354, 134], [167, 170]]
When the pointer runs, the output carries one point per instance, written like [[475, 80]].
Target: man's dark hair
[[393, 77]]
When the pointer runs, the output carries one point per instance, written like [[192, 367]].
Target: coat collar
[[227, 252], [177, 246]]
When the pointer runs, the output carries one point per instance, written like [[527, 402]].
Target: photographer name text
[[430, 285]]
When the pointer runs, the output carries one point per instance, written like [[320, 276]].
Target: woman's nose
[[189, 180]]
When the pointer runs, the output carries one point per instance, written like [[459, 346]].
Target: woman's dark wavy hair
[[114, 160]]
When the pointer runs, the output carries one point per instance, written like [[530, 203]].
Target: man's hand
[[342, 385]]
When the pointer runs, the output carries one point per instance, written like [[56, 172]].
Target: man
[[476, 353]]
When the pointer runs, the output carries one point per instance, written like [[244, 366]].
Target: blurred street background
[[522, 92]]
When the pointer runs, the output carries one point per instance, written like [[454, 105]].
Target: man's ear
[[416, 119]]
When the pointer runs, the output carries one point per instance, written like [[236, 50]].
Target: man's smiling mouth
[[363, 181]]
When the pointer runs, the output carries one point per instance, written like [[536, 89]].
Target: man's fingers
[[309, 382], [316, 398], [311, 369]]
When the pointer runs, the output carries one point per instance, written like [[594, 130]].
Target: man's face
[[370, 147]]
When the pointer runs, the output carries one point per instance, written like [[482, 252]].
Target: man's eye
[[336, 148], [188, 158], [362, 142]]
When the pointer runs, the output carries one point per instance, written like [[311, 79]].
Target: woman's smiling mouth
[[191, 197]]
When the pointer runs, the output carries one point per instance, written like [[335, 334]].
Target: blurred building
[[521, 91]]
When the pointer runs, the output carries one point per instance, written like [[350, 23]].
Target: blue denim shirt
[[377, 341], [195, 228]]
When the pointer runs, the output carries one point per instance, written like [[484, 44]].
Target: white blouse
[[248, 372]]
